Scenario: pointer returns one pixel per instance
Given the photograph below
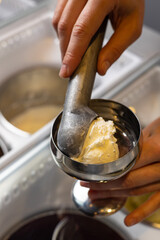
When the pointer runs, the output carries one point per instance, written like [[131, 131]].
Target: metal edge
[[146, 66]]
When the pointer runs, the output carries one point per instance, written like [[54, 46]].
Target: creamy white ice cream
[[100, 144]]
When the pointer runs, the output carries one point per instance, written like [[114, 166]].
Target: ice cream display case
[[32, 188]]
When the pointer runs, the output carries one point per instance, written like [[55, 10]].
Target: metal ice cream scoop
[[77, 116]]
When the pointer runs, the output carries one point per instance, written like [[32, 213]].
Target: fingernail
[[130, 222], [64, 71], [105, 66]]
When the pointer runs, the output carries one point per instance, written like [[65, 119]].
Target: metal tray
[[29, 64], [13, 10], [144, 95]]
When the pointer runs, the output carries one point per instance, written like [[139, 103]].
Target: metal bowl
[[38, 89], [64, 225], [129, 139], [31, 88]]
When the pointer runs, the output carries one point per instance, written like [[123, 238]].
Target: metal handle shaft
[[81, 82]]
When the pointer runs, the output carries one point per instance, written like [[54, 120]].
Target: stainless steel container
[[29, 100], [64, 225]]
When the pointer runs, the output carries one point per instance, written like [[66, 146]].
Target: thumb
[[125, 34]]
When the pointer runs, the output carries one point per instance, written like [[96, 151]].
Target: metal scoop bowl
[[129, 140]]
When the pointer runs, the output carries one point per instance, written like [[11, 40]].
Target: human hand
[[143, 178], [77, 21]]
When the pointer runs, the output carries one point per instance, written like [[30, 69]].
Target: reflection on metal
[[103, 207], [34, 94], [129, 144]]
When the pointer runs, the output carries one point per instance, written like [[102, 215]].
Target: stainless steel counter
[[29, 180]]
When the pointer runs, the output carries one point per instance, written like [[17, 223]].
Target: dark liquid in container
[[65, 227]]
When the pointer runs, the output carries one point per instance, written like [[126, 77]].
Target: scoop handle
[[81, 82]]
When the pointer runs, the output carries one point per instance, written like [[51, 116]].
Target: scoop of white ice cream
[[100, 144]]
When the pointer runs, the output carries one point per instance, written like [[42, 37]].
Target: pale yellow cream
[[100, 144], [34, 118]]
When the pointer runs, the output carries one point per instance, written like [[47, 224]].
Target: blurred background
[[10, 8], [152, 17]]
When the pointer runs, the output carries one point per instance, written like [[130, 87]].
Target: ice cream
[[34, 118], [100, 145]]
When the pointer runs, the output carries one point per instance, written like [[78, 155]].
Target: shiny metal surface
[[143, 94], [103, 207], [29, 89], [128, 138], [13, 10], [23, 185], [77, 116]]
